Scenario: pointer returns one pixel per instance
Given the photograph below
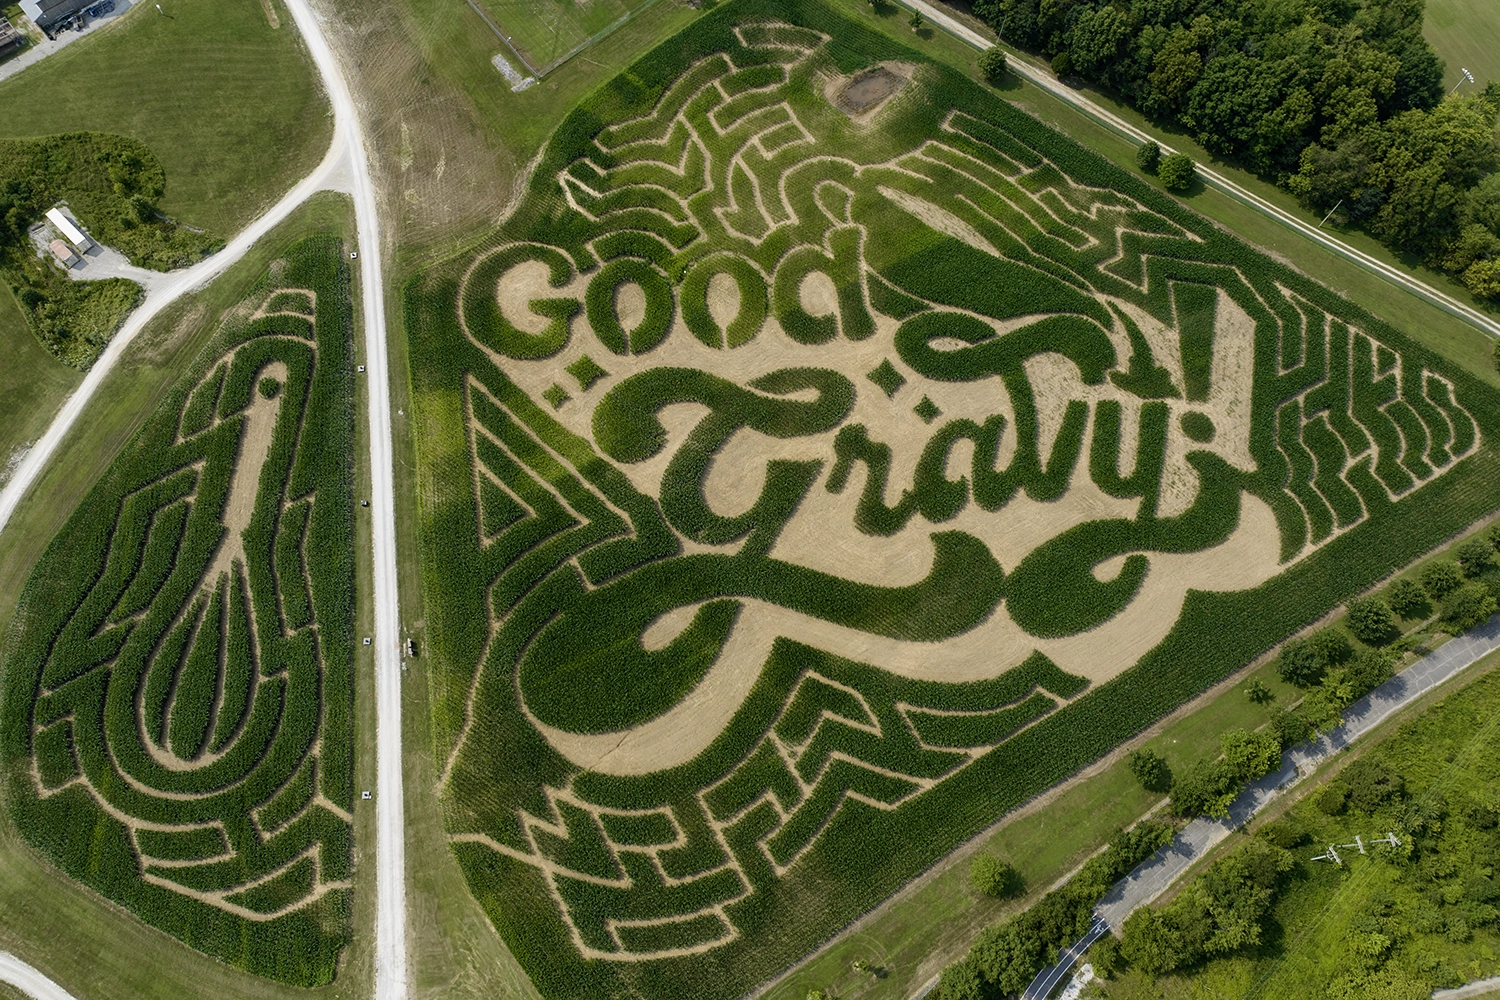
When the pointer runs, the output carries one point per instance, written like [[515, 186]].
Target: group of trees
[[1218, 913], [1435, 886], [1341, 102], [1008, 955], [111, 183]]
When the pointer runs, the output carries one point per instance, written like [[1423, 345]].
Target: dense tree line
[[1339, 101]]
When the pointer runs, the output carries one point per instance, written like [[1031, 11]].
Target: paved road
[[1043, 78], [1478, 988], [345, 168], [1042, 986], [1154, 876], [1162, 870]]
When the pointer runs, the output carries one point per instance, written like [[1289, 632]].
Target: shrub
[[1177, 171], [991, 876], [1332, 800], [1407, 598], [916, 21], [1441, 579], [1150, 769], [1468, 606], [1062, 64], [1284, 832], [1148, 156], [1372, 621], [1259, 694], [1475, 556], [992, 64], [1371, 784]]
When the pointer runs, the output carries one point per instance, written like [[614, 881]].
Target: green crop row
[[127, 651]]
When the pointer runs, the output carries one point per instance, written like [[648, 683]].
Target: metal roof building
[[70, 232], [46, 13]]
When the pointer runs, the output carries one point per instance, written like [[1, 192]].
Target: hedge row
[[123, 651]]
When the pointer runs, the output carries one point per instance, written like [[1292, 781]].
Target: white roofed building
[[69, 230]]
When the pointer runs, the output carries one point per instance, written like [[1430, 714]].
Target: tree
[[1407, 598], [1148, 156], [1259, 694], [992, 64], [1062, 64], [991, 876], [1150, 769], [1152, 942], [1466, 607], [1177, 171], [1301, 663], [1483, 279], [1441, 579], [1372, 621], [915, 20], [1475, 556], [960, 981]]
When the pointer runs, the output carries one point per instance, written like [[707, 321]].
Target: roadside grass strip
[[825, 458], [178, 683]]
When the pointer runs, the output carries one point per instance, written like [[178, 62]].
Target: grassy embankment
[[45, 917], [231, 108]]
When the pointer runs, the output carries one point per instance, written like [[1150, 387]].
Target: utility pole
[[1330, 213], [1466, 78]]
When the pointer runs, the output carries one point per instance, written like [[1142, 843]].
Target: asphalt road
[[1162, 870], [345, 168], [1043, 78]]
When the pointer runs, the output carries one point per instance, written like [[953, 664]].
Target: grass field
[[551, 30], [1465, 33], [33, 385], [44, 917], [231, 107], [662, 185]]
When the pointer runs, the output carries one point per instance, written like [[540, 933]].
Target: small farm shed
[[9, 36], [64, 253], [70, 231]]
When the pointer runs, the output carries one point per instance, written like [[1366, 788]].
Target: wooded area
[[1341, 102]]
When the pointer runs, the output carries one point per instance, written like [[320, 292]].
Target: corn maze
[[806, 481], [178, 694]]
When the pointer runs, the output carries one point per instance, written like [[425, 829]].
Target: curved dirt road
[[345, 168]]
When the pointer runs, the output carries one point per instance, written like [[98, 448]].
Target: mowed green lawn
[[33, 385], [232, 107], [547, 30], [1465, 33]]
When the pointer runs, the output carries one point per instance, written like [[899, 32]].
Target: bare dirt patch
[[861, 95]]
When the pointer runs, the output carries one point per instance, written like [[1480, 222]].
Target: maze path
[[670, 281], [186, 646]]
